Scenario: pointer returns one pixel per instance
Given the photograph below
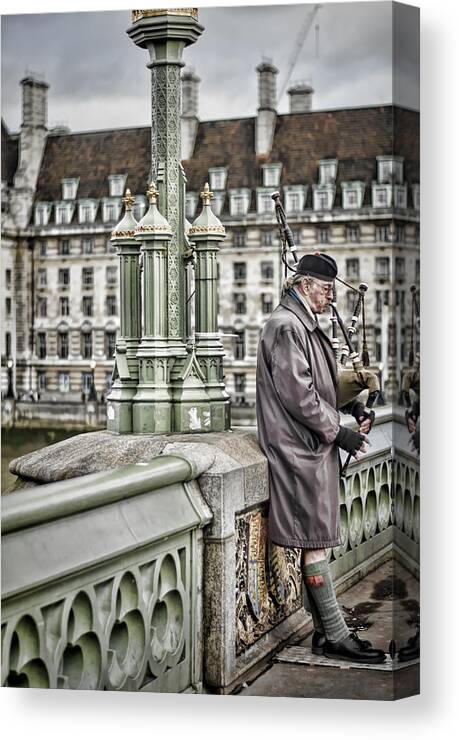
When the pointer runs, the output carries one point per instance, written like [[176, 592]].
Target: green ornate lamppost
[[168, 377]]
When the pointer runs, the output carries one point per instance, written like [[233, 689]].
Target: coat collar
[[292, 304]]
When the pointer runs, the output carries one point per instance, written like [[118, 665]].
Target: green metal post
[[206, 233], [126, 374], [165, 33], [152, 402]]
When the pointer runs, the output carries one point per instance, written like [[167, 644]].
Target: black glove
[[349, 440], [359, 411]]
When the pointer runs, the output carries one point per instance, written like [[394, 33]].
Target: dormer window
[[64, 213], [69, 188], [217, 178], [390, 169], [323, 197], [295, 198], [353, 193], [271, 175], [400, 196], [265, 203], [87, 211], [239, 201], [382, 196], [42, 212], [327, 171], [191, 201], [116, 185], [110, 210], [416, 193], [217, 202]]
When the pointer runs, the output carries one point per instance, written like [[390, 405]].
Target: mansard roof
[[10, 154], [92, 156], [353, 136]]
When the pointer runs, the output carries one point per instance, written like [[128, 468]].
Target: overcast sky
[[98, 77]]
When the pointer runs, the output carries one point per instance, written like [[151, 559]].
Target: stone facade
[[349, 180]]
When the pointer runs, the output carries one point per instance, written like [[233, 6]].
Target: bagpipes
[[351, 382]]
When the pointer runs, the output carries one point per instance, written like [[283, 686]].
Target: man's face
[[318, 294]]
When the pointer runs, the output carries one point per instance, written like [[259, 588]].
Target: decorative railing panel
[[128, 630], [114, 603]]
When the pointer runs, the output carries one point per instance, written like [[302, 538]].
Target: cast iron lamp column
[[126, 373], [165, 33], [206, 233]]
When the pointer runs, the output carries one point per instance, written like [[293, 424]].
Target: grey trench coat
[[297, 424]]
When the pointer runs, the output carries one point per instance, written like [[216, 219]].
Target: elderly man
[[299, 432]]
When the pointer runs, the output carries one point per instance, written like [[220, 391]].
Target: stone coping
[[92, 452]]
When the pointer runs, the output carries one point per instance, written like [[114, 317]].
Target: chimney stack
[[190, 108], [300, 96], [34, 102], [32, 143], [267, 101]]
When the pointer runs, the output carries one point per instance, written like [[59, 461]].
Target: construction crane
[[301, 38]]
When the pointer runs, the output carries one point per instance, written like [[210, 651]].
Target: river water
[[17, 442]]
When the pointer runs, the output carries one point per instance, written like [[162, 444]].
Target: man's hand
[[352, 442], [364, 424], [411, 423], [411, 418], [363, 417]]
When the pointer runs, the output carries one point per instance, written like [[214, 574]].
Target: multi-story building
[[349, 180]]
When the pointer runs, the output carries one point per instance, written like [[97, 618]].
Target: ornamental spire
[[206, 195], [128, 200], [152, 193]]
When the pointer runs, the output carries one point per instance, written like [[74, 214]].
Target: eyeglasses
[[325, 288]]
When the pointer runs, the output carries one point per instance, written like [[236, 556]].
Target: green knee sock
[[311, 607], [321, 591]]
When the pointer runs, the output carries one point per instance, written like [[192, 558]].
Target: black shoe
[[317, 643], [411, 651], [354, 649]]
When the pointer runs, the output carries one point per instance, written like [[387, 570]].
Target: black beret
[[317, 265]]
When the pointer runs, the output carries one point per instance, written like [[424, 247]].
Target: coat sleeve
[[292, 378]]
